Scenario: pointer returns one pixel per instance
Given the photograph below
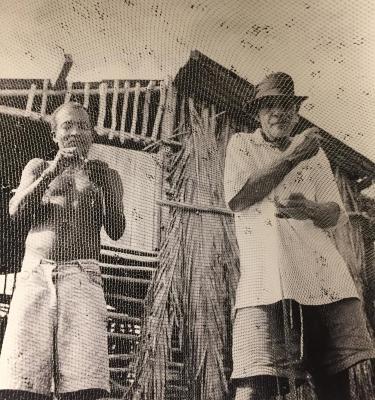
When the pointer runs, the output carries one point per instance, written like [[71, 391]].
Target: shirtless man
[[56, 339]]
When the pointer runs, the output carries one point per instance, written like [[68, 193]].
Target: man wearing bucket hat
[[298, 314]]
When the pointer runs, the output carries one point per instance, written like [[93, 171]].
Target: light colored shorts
[[298, 341], [56, 336]]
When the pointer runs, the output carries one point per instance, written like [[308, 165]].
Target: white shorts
[[56, 336]]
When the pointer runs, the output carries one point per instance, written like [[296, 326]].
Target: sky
[[328, 46]]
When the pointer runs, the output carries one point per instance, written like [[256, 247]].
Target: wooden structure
[[144, 116]]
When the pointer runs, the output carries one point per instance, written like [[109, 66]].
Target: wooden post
[[68, 93], [102, 106], [116, 84], [135, 109], [124, 111], [160, 111], [213, 120], [86, 95], [60, 81], [43, 107], [146, 108], [158, 194], [167, 127], [205, 117], [30, 99]]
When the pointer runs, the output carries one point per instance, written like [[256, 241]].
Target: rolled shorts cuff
[[347, 363]]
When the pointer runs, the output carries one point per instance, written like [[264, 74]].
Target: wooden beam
[[61, 80]]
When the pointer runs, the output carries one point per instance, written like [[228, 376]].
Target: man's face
[[278, 118], [73, 129]]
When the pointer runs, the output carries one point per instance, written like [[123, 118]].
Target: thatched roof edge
[[204, 78]]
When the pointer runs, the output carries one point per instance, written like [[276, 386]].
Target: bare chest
[[72, 190]]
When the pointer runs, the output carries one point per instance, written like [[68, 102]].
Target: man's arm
[[31, 188], [262, 181], [114, 218], [110, 182], [260, 184], [34, 182], [324, 215]]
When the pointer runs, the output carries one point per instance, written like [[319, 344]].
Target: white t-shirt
[[284, 258]]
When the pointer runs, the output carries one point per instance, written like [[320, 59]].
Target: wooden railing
[[119, 102], [127, 276]]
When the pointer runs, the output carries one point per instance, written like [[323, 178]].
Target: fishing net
[[154, 305]]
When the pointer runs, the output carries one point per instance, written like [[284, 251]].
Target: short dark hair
[[70, 104]]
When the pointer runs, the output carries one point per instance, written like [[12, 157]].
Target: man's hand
[[296, 207], [324, 215], [63, 159], [99, 173], [304, 146]]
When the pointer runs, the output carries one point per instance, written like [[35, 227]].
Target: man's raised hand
[[304, 146], [64, 157]]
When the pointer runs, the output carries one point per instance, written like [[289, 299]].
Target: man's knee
[[262, 387]]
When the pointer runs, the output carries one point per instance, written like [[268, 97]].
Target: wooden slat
[[119, 370], [30, 99], [102, 105], [160, 111], [124, 298], [124, 317], [17, 112], [43, 107], [129, 256], [51, 92], [195, 207], [126, 336], [146, 108], [124, 111], [129, 357], [68, 93], [116, 86], [125, 279], [135, 108], [122, 357], [86, 95], [128, 268]]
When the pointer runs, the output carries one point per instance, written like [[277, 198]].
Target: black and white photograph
[[187, 200]]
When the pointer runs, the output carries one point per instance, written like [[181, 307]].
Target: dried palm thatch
[[194, 287]]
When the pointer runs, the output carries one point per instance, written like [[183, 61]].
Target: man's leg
[[338, 342], [266, 348], [262, 388], [26, 354], [82, 359], [335, 387]]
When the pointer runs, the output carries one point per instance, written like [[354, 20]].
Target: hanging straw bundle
[[194, 287]]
